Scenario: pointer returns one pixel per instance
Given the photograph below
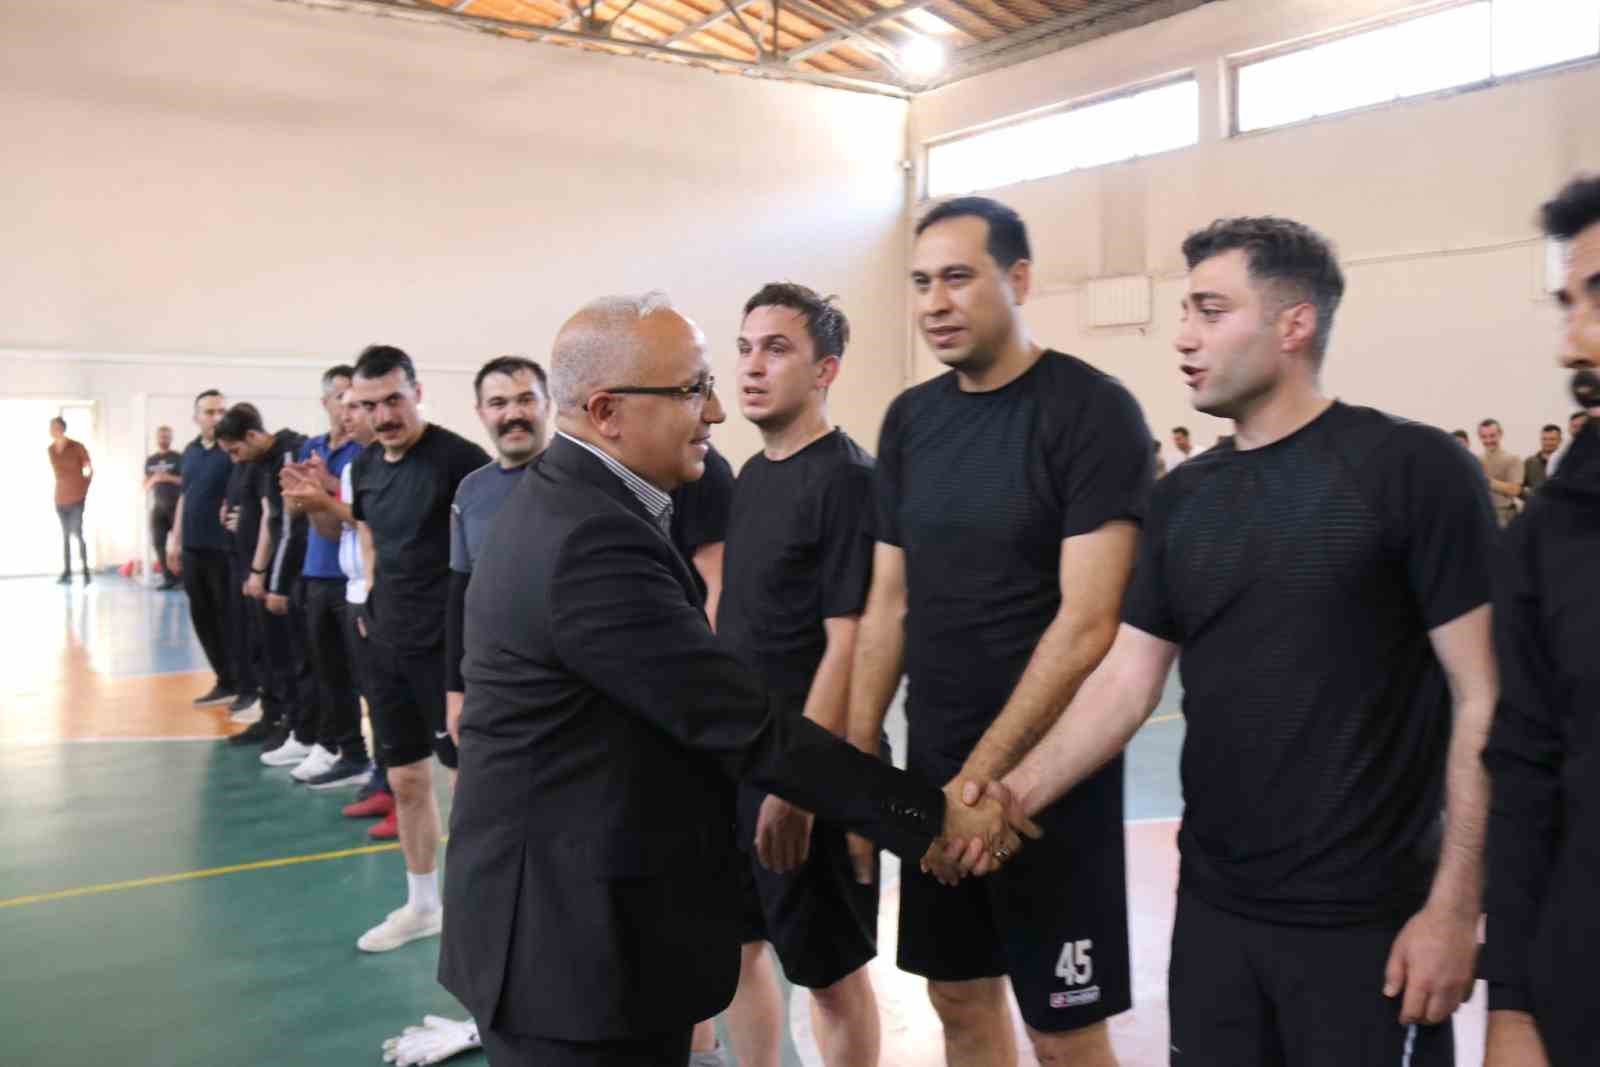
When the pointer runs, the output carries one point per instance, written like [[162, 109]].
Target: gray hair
[[593, 350]]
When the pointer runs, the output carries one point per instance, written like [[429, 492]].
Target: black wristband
[[254, 571]]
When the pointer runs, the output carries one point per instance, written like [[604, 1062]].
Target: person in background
[[73, 471], [1461, 435], [164, 483], [1504, 471], [1575, 424], [198, 548], [1536, 471]]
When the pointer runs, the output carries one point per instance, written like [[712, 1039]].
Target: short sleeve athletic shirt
[[979, 490], [1301, 580], [407, 506], [700, 511], [798, 552], [478, 499]]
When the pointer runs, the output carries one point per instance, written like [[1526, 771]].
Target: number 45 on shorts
[[1075, 966]]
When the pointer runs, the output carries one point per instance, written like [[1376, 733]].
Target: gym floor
[[166, 900]]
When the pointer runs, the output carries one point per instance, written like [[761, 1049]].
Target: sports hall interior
[[239, 193]]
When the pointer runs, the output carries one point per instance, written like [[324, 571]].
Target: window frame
[[1235, 62], [1105, 96]]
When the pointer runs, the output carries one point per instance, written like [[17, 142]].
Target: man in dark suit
[[592, 905]]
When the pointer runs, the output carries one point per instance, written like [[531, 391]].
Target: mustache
[[516, 424], [385, 427]]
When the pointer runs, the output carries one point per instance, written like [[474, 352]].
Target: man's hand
[[174, 559], [1432, 963], [277, 604], [435, 1041], [302, 489], [255, 586], [973, 857], [1514, 1041], [306, 478], [453, 703], [980, 836], [359, 613], [230, 519], [783, 836]]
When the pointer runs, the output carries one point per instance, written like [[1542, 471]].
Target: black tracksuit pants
[[206, 580], [335, 697]]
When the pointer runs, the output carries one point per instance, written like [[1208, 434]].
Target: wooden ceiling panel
[[980, 25]]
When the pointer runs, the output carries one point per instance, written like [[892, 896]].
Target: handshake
[[984, 825]]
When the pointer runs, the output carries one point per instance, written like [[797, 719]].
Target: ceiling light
[[922, 57]]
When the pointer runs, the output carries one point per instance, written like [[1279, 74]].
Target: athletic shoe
[[340, 774], [717, 1057], [375, 805], [217, 695], [243, 702], [65, 579], [288, 754], [319, 760], [257, 733], [247, 716], [87, 577], [168, 585], [387, 830], [401, 927]]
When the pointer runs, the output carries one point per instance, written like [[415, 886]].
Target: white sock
[[422, 892]]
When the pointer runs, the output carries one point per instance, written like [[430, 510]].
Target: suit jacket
[[1534, 473], [592, 889]]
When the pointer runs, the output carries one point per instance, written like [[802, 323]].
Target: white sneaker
[[248, 715], [319, 761], [287, 754], [401, 927]]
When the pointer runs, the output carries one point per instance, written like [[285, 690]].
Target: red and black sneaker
[[374, 807], [387, 830]]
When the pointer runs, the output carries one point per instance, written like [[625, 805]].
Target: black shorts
[[1243, 991], [1054, 919], [406, 697], [822, 923]]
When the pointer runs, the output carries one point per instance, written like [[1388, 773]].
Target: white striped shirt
[[656, 503]]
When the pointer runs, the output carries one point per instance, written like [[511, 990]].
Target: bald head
[[608, 343]]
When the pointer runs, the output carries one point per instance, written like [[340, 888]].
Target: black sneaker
[[65, 579], [217, 695], [243, 702], [87, 577], [257, 733], [346, 772]]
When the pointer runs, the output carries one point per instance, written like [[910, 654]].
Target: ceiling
[[848, 44]]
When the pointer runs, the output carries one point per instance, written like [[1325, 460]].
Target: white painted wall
[[1431, 203], [265, 188]]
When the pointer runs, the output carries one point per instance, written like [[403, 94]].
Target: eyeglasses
[[702, 389]]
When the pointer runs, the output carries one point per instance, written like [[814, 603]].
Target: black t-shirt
[[407, 505], [799, 550], [700, 511], [205, 487], [979, 490], [165, 493], [1301, 580], [243, 494]]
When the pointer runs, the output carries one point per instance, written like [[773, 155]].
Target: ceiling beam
[[442, 16], [817, 13], [827, 41], [1054, 35], [709, 21]]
